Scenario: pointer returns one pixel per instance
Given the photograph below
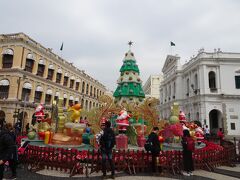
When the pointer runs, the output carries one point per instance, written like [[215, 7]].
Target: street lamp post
[[23, 112], [16, 114]]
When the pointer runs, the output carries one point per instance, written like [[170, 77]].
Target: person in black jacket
[[155, 150], [13, 150], [187, 155], [7, 149], [107, 142]]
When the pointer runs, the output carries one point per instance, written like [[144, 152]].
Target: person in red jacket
[[220, 135]]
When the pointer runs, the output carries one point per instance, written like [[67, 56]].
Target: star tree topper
[[130, 43]]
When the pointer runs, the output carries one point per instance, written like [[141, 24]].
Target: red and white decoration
[[122, 120]]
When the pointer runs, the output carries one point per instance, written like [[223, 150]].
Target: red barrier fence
[[86, 162]]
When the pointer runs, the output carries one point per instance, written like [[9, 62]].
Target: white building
[[152, 86], [207, 89]]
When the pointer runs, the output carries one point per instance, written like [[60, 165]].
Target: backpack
[[148, 146], [107, 141], [190, 144]]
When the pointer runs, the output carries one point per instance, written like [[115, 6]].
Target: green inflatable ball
[[173, 120], [31, 135]]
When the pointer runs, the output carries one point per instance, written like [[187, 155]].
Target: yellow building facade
[[31, 74]]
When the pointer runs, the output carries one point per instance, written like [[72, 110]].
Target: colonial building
[[151, 87], [31, 74], [207, 89]]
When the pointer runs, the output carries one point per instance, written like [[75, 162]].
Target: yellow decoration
[[74, 112], [61, 116], [47, 137], [175, 109], [192, 133]]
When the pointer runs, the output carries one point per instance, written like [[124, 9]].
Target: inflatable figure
[[39, 113], [182, 117], [75, 112], [122, 121], [199, 134]]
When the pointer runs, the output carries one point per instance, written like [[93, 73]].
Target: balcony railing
[[3, 95]]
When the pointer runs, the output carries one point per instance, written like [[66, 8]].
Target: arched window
[[196, 81], [83, 87], [26, 91], [174, 90], [50, 72], [87, 89], [94, 92], [90, 90], [72, 79], [7, 60], [169, 92], [38, 94], [77, 84], [59, 76], [64, 99], [187, 87], [4, 89], [41, 68], [70, 101], [212, 80], [48, 96], [65, 79], [29, 63], [97, 93], [82, 103], [57, 94], [76, 100], [90, 105]]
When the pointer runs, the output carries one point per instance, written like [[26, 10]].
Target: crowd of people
[[107, 141]]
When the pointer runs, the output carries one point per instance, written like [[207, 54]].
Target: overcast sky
[[95, 32]]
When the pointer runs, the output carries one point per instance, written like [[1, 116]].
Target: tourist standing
[[220, 135], [188, 147], [13, 156], [107, 142], [7, 150], [17, 127], [155, 148], [207, 132]]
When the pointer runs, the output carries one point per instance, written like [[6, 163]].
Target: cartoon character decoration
[[122, 121], [39, 113], [84, 121], [74, 112], [199, 134], [182, 117]]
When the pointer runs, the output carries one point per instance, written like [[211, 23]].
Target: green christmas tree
[[129, 89]]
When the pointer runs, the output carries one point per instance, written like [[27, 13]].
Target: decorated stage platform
[[165, 147]]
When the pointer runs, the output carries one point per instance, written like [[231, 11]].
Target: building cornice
[[29, 43]]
